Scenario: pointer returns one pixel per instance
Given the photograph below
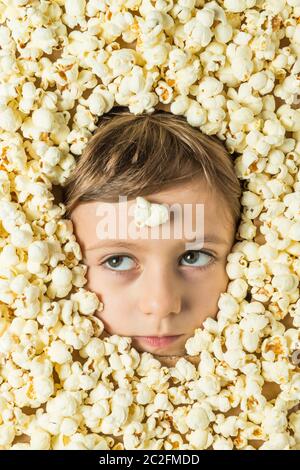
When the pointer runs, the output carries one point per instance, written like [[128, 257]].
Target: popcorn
[[228, 307], [68, 426], [238, 6], [289, 118], [43, 39], [196, 115], [59, 352], [87, 302], [64, 405], [43, 119], [61, 283], [10, 119], [184, 370], [150, 214], [43, 388], [234, 358], [277, 441], [274, 348], [40, 366], [7, 434], [220, 443], [76, 8], [206, 365], [199, 342], [199, 35], [200, 439], [229, 90], [196, 418], [209, 87], [251, 339], [277, 372], [209, 385], [285, 283]]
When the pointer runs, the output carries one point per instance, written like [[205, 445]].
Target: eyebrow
[[210, 238]]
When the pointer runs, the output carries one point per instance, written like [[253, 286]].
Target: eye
[[194, 258], [116, 261], [198, 258]]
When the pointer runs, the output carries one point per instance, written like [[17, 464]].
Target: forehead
[[193, 210]]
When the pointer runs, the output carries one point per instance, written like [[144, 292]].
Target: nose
[[160, 293]]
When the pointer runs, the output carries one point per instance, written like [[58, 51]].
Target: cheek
[[115, 303], [206, 296], [101, 283], [219, 279], [94, 283], [210, 286], [222, 278]]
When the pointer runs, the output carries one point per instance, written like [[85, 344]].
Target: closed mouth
[[155, 336], [158, 341]]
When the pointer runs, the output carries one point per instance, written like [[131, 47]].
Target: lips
[[158, 341]]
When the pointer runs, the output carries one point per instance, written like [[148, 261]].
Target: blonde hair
[[137, 155]]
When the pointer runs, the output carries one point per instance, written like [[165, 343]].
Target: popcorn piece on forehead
[[150, 214]]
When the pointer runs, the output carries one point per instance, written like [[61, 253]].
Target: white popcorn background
[[232, 68]]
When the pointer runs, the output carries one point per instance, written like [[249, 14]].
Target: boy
[[154, 290]]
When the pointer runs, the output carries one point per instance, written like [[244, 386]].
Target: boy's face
[[157, 287]]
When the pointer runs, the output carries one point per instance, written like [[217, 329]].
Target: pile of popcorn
[[232, 68]]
